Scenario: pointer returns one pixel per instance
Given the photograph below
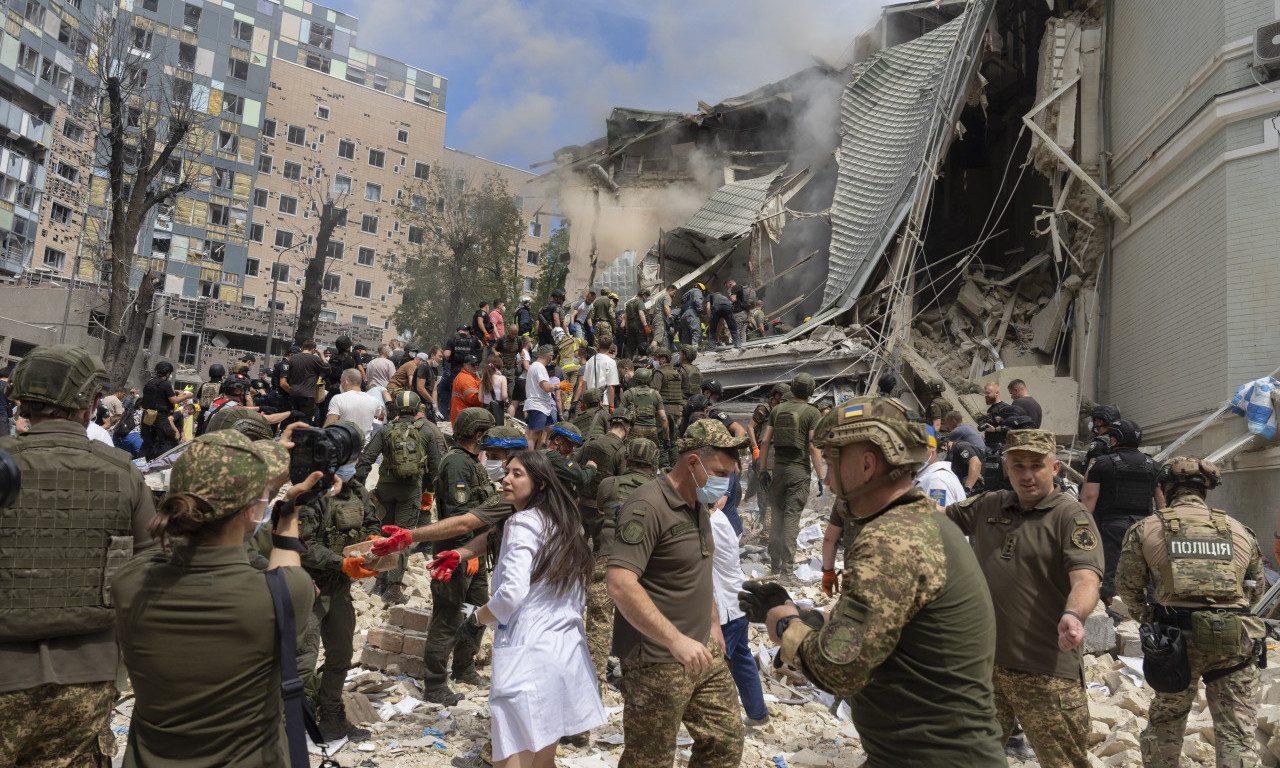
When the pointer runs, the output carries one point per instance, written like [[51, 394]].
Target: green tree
[[463, 244], [554, 261]]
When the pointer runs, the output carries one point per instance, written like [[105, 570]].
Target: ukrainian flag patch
[[852, 410]]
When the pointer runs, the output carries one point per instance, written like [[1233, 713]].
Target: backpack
[[208, 392], [403, 456]]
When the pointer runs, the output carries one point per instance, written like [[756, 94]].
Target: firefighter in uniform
[[1118, 492], [82, 511], [327, 525], [1205, 569], [645, 404], [670, 385], [789, 431]]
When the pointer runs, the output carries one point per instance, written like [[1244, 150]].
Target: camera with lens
[[10, 480], [322, 450]]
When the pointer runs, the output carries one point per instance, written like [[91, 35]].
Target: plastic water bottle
[[501, 636]]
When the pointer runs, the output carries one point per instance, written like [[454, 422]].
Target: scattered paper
[[612, 738], [1133, 670], [386, 712], [809, 535], [407, 705], [330, 748]]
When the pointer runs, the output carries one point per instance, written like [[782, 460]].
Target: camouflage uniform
[[659, 320], [56, 725], [1211, 593]]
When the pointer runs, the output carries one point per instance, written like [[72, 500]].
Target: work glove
[[829, 582], [469, 631], [765, 479], [397, 539], [755, 454], [566, 386], [473, 566], [443, 565], [428, 499], [757, 598], [354, 567]]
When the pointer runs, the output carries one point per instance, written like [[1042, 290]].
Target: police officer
[[1100, 419], [939, 406], [649, 413], [158, 399], [1118, 492], [911, 638], [403, 449], [789, 431], [607, 453], [1038, 549], [82, 512], [1205, 569], [690, 323], [327, 525], [670, 385]]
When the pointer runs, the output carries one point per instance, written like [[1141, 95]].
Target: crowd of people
[[587, 498]]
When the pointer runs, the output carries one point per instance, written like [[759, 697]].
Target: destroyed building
[[1082, 194]]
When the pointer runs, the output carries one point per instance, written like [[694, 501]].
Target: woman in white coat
[[544, 686]]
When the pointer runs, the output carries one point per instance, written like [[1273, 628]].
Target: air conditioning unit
[[1266, 47]]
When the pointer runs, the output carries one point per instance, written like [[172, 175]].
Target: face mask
[[494, 468], [714, 487], [266, 520], [346, 471]]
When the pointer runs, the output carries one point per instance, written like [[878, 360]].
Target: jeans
[[731, 505], [743, 666]]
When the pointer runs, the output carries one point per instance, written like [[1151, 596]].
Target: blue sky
[[529, 76]]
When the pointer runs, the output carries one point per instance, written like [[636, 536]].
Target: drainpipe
[[1104, 147]]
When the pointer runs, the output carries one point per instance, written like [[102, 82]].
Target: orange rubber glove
[[374, 537], [566, 386], [473, 566], [428, 499], [829, 582], [755, 454], [354, 567]]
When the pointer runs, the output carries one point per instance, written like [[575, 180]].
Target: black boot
[[441, 694], [334, 726]]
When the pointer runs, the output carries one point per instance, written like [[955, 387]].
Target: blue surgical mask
[[714, 488], [346, 471], [264, 521]]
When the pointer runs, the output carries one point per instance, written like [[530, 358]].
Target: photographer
[[196, 620]]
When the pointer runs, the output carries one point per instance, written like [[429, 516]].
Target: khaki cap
[[708, 433], [227, 471], [1033, 440]]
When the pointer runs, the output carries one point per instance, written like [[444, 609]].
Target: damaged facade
[[1081, 194]]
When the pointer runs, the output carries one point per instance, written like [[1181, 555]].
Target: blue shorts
[[537, 420]]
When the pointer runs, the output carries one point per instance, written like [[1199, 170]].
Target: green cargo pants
[[788, 495], [332, 623], [400, 503], [447, 598]]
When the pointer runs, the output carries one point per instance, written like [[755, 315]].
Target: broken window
[[256, 232], [356, 74], [186, 55], [224, 179], [217, 251], [373, 192], [219, 215], [319, 63], [191, 18], [233, 104], [342, 185], [237, 70], [251, 266], [260, 198], [142, 38], [242, 30], [269, 128], [228, 142], [321, 36], [265, 163], [422, 171], [332, 282]]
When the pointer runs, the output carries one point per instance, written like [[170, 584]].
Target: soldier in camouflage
[[759, 420], [1205, 571], [911, 638], [327, 525], [591, 419], [645, 403], [669, 383], [690, 374], [607, 453], [789, 430], [939, 406], [81, 513]]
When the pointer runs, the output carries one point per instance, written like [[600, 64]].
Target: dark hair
[[181, 514], [564, 560], [343, 343], [1017, 384], [308, 344], [434, 349]]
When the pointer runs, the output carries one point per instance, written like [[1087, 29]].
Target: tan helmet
[[246, 421], [591, 398], [802, 386], [642, 451], [61, 375], [1190, 471]]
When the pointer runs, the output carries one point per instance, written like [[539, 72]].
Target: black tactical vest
[[1131, 486]]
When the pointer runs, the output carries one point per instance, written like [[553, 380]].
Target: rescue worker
[[670, 385], [720, 309], [1205, 570], [83, 511], [465, 389], [607, 453], [645, 404], [1120, 490], [690, 324], [759, 420], [1100, 418], [635, 321], [602, 314], [158, 399], [524, 317], [664, 329], [939, 406], [789, 431], [910, 641], [327, 525], [403, 449], [591, 417], [210, 389], [690, 374], [1038, 549]]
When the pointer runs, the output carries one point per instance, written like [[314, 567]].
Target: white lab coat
[[544, 686]]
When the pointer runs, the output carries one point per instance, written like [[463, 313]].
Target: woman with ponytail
[[196, 621]]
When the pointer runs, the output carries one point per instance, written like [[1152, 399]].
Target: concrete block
[[402, 664], [359, 709], [403, 616], [1099, 633], [374, 658], [414, 644], [387, 639], [1267, 719]]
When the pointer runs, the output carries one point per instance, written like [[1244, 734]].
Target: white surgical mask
[[714, 488], [494, 468], [266, 520]]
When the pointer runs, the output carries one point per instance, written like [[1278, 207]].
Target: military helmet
[[246, 421], [164, 368], [883, 421], [624, 415], [1127, 433], [714, 387], [557, 293], [824, 403], [1106, 413], [567, 430], [937, 386], [470, 421], [688, 353], [643, 376], [504, 437], [661, 352], [236, 382], [591, 398], [802, 386], [642, 451], [216, 371], [60, 375], [780, 389], [407, 402], [1188, 470]]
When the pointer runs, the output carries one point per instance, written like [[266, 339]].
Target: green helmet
[[643, 452], [936, 386], [802, 386], [568, 431], [505, 437], [824, 403], [780, 390], [62, 376], [624, 415], [688, 353], [247, 422], [471, 421], [591, 398], [406, 403], [643, 376], [1187, 470], [661, 352], [883, 421]]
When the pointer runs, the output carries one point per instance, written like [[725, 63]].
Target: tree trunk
[[313, 278]]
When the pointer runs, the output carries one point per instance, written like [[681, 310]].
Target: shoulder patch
[[1081, 519], [640, 510], [632, 532], [840, 639], [939, 495], [1084, 538], [968, 502], [460, 493]]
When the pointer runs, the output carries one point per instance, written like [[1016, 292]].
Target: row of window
[[326, 315], [297, 136]]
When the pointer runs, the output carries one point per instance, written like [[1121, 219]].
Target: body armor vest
[[1200, 564], [209, 391], [759, 419], [56, 579], [343, 522], [1133, 483], [787, 433], [993, 476], [584, 418], [606, 452], [481, 487], [672, 388], [644, 402], [691, 380]]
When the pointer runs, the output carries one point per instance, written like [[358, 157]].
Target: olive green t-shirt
[[792, 421], [1027, 558], [667, 543], [198, 635]]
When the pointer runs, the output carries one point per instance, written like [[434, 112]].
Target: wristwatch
[[783, 623]]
